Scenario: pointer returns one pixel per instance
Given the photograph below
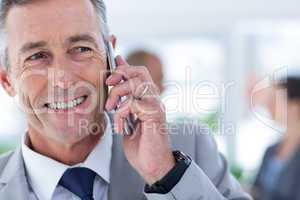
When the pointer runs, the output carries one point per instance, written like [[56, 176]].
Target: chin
[[74, 132], [66, 135]]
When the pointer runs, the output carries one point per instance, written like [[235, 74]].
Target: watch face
[[179, 156], [166, 184]]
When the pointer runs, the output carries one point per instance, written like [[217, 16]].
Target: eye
[[81, 49], [39, 59], [81, 53], [36, 56]]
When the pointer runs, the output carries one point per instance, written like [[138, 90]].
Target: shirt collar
[[44, 173]]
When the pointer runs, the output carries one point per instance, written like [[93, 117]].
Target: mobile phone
[[128, 123]]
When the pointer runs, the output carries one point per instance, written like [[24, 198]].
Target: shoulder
[[192, 135], [197, 141], [270, 152]]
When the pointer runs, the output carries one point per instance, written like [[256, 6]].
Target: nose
[[61, 78], [61, 75]]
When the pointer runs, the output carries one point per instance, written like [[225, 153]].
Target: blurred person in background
[[153, 63], [258, 127], [279, 175]]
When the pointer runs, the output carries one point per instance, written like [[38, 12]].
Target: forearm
[[195, 185]]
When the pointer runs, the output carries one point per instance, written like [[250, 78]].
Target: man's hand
[[148, 149]]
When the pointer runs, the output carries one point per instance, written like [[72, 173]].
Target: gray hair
[[6, 5]]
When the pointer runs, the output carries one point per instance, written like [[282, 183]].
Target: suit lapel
[[13, 181], [125, 183]]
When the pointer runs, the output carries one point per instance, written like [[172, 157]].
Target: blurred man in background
[[278, 176]]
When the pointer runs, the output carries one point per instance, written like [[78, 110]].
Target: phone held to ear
[[128, 123]]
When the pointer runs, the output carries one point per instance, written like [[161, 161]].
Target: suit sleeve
[[207, 178]]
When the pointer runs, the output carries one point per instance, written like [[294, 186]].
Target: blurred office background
[[219, 47]]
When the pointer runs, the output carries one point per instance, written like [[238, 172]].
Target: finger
[[120, 90], [120, 115], [118, 124], [125, 108], [146, 89], [127, 72], [132, 139], [121, 61], [117, 77], [121, 126], [148, 109], [125, 112]]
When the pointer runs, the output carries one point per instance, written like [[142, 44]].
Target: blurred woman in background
[[279, 175]]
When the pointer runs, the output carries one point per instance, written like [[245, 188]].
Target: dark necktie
[[79, 181]]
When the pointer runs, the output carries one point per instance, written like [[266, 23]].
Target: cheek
[[96, 76], [93, 74], [32, 88]]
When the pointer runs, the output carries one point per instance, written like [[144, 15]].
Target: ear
[[6, 82], [113, 40]]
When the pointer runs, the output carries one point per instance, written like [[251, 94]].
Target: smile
[[66, 105]]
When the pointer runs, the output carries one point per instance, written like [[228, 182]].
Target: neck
[[70, 154], [293, 133], [289, 143]]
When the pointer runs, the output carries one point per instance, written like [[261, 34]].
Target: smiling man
[[54, 60]]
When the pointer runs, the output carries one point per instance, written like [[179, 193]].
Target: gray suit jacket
[[207, 177]]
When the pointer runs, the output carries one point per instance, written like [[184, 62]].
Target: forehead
[[50, 20]]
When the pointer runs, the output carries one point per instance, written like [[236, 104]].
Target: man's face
[[57, 62]]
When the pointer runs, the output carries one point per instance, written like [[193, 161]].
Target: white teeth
[[66, 105], [80, 99], [52, 106], [63, 105], [70, 105]]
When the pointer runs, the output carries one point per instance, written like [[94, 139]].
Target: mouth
[[57, 106]]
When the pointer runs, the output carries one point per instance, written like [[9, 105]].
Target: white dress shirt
[[44, 173]]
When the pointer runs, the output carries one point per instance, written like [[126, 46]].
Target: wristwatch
[[167, 183]]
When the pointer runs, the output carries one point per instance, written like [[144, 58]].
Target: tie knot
[[79, 181]]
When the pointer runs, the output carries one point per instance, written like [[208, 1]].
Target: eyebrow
[[73, 39], [82, 37], [32, 45]]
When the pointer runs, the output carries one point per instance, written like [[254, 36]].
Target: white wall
[[167, 17]]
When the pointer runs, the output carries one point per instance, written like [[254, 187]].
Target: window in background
[[12, 124]]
